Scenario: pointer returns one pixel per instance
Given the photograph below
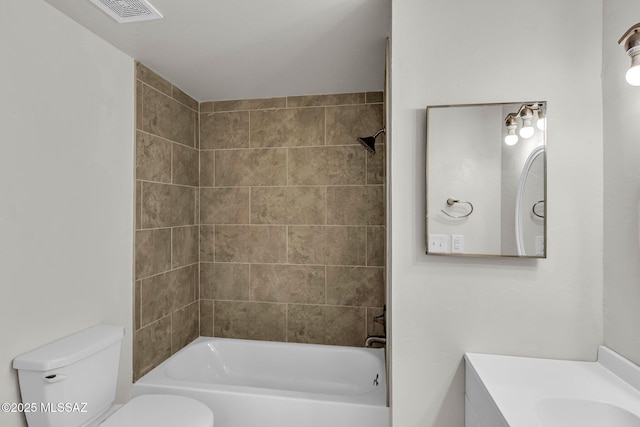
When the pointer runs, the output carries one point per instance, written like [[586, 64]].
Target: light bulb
[[631, 43], [527, 130], [511, 138], [542, 119], [512, 124], [633, 73]]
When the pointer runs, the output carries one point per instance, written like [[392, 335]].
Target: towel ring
[[451, 202], [533, 208]]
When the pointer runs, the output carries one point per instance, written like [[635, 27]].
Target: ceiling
[[242, 49]]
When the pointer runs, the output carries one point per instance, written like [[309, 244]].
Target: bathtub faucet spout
[[374, 339]]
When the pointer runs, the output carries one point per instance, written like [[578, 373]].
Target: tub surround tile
[[182, 97], [346, 123], [374, 97], [355, 205], [375, 246], [137, 305], [185, 168], [288, 283], [206, 107], [327, 165], [327, 245], [323, 100], [167, 126], [139, 104], [224, 130], [196, 207], [324, 324], [153, 158], [165, 293], [272, 206], [288, 127], [254, 244], [288, 205], [355, 286], [253, 167], [206, 168], [184, 246], [185, 326], [152, 346], [376, 163], [165, 117], [250, 320], [224, 281], [229, 205], [246, 104], [206, 318], [165, 205], [138, 205], [206, 243], [150, 77], [153, 251]]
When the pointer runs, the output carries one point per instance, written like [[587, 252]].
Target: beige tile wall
[[167, 310], [259, 219], [292, 219]]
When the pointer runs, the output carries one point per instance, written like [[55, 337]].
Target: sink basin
[[510, 391], [564, 412]]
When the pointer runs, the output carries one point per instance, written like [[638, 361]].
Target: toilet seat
[[161, 410]]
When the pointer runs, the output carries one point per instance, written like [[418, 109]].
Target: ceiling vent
[[125, 11]]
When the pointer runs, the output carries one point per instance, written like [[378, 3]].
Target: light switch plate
[[438, 244]]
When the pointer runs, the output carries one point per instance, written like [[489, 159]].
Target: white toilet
[[72, 383]]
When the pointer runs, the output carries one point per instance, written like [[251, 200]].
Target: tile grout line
[[163, 139], [168, 96]]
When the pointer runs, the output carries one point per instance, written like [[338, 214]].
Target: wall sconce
[[631, 42], [525, 113]]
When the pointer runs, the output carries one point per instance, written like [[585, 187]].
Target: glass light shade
[[633, 73], [511, 138], [542, 123], [527, 131]]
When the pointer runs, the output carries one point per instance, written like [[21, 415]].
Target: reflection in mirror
[[486, 179]]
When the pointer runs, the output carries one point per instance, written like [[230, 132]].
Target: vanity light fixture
[[527, 130], [542, 119], [512, 124], [525, 113], [631, 42]]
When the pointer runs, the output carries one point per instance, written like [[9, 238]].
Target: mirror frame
[[544, 154]]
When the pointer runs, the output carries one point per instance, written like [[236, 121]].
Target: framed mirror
[[486, 180]]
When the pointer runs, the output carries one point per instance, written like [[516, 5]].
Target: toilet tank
[[73, 380]]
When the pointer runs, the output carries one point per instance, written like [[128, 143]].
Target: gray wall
[[621, 186], [66, 180], [463, 51]]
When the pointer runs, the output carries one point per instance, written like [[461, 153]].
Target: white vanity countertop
[[517, 385]]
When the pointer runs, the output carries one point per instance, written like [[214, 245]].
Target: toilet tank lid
[[70, 349]]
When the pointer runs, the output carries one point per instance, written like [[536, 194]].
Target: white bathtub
[[271, 384]]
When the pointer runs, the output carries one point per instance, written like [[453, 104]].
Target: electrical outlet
[[457, 244], [540, 245], [438, 244]]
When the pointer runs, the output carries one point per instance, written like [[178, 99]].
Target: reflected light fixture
[[525, 114], [542, 119], [527, 130], [631, 42], [512, 125]]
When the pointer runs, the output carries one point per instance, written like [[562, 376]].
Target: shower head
[[369, 142]]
